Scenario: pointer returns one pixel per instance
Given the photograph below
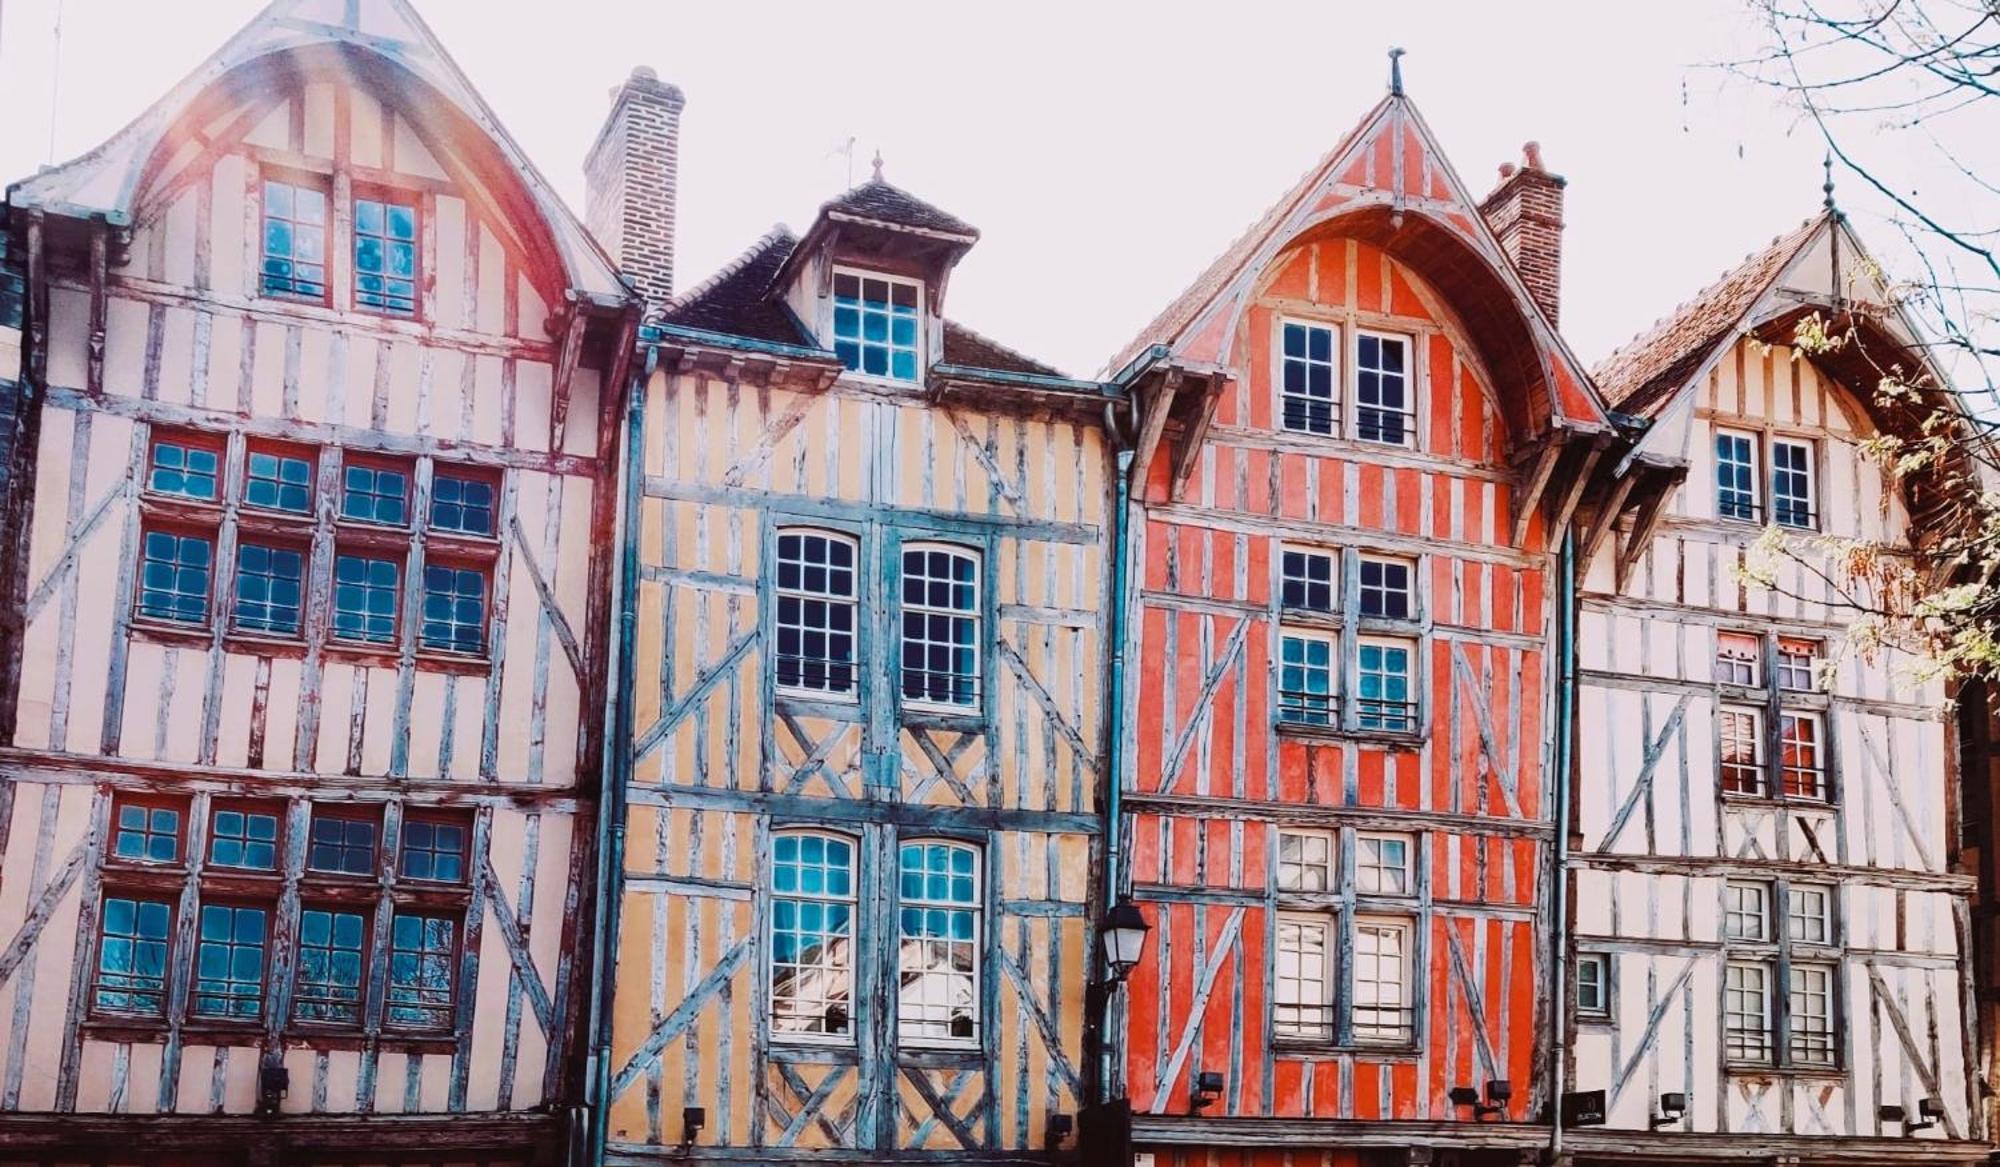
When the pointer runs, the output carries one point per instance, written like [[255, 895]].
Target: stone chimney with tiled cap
[[1526, 213], [631, 178]]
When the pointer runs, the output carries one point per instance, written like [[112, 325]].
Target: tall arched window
[[937, 959], [812, 934]]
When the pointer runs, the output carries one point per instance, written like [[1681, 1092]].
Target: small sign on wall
[[1583, 1108]]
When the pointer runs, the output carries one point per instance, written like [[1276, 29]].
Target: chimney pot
[[1506, 171], [631, 181], [1531, 154]]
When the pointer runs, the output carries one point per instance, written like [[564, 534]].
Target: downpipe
[[1559, 928]]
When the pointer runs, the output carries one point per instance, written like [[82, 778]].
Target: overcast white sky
[[1106, 151]]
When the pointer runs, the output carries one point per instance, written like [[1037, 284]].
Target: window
[[270, 588], [274, 480], [229, 962], [1735, 475], [174, 570], [1383, 408], [1798, 664], [132, 955], [1742, 739], [385, 256], [333, 943], [146, 832], [344, 845], [816, 608], [1382, 999], [1383, 702], [938, 943], [1810, 1004], [1308, 378], [875, 324], [812, 929], [1792, 483], [373, 492], [185, 466], [940, 660], [1799, 744], [1302, 1000], [433, 849], [1736, 655], [1809, 914], [1306, 580], [1305, 679], [365, 590], [1305, 861], [1593, 985], [243, 837], [295, 234], [462, 504], [1746, 913], [423, 948], [454, 609], [1385, 588], [1746, 1012], [1382, 865]]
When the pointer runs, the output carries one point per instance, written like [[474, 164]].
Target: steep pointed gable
[[385, 39], [1388, 183]]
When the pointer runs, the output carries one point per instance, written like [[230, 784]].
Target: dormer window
[[875, 324]]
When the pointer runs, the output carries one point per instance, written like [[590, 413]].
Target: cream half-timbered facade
[[868, 695], [1770, 925], [300, 733]]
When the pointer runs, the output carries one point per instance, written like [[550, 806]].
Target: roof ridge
[[1749, 259]]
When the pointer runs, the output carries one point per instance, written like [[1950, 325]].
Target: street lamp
[[1123, 936]]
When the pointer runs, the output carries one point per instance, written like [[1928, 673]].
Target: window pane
[[1811, 1007], [132, 955], [1746, 912], [1809, 915], [1741, 736], [365, 592], [243, 838], [1382, 998], [1746, 1013], [433, 850], [332, 949], [146, 834], [1382, 865], [1593, 985], [462, 505], [875, 325], [1307, 400], [1307, 580], [940, 643], [937, 959], [270, 589], [375, 494], [454, 609], [1383, 409], [1305, 680], [1305, 862], [422, 982], [343, 845], [385, 256], [812, 926], [183, 468], [174, 574], [1735, 476], [815, 620], [294, 252], [1799, 739], [1385, 589], [229, 962], [1791, 484], [1736, 657], [1798, 664], [1384, 701], [1301, 997], [278, 482]]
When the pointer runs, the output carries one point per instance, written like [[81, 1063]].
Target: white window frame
[[852, 964], [977, 908], [1330, 865], [1409, 411], [1325, 1034], [1600, 984], [1788, 666], [1332, 646], [1411, 708], [1405, 982], [1800, 986], [832, 332], [1811, 472], [1757, 484], [1818, 771], [852, 602], [1332, 560], [1333, 364], [1734, 665], [1412, 611], [1380, 869], [1736, 907], [1758, 763], [1738, 995], [976, 614], [1797, 897]]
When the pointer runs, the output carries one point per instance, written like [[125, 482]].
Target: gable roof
[[1642, 375], [877, 201], [1388, 182], [388, 33]]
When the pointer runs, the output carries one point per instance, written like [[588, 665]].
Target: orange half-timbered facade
[[306, 621], [869, 569], [1359, 442]]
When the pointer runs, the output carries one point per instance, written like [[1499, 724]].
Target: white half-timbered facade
[[1770, 925], [306, 622]]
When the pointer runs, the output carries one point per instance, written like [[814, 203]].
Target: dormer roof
[[878, 202]]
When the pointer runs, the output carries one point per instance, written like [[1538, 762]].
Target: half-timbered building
[[868, 557], [1771, 927], [1359, 444], [306, 619]]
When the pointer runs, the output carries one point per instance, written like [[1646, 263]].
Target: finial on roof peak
[[1827, 187], [1396, 72], [878, 166]]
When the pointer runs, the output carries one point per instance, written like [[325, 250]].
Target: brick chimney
[[1526, 213], [631, 178]]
